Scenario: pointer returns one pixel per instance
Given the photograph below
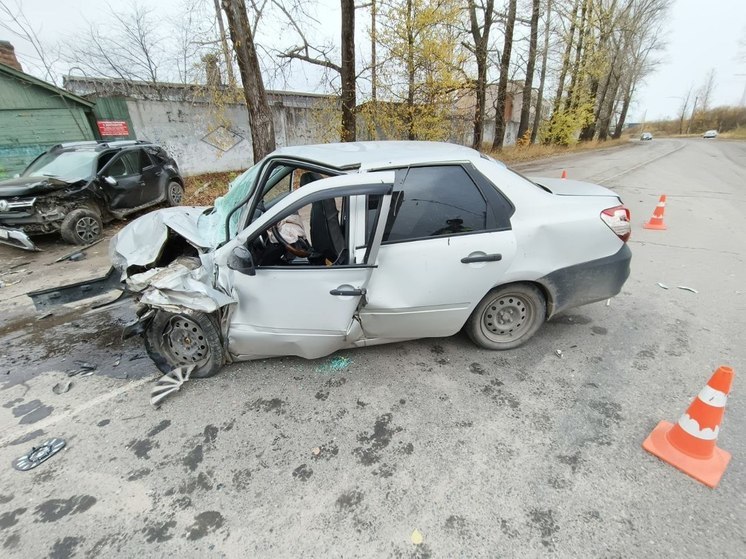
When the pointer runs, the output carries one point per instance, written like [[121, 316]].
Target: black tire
[[507, 317], [82, 227], [169, 346], [174, 193]]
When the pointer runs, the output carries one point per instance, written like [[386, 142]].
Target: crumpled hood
[[567, 187], [140, 243], [29, 186]]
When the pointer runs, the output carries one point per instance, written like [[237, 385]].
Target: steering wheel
[[301, 252]]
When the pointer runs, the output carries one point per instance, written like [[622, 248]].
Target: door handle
[[482, 258], [348, 292]]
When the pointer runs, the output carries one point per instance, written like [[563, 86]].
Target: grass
[[201, 190], [521, 154], [737, 134]]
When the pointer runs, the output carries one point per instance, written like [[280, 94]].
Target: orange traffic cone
[[690, 445], [656, 222], [564, 174]]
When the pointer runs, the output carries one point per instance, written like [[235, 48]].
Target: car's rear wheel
[[186, 338], [81, 227], [175, 193], [507, 316]]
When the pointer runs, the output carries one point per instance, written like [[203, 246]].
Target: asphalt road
[[520, 453]]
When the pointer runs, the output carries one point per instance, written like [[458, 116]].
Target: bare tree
[[129, 48], [502, 86], [321, 56], [528, 82], [481, 17], [14, 21], [260, 114], [347, 71], [543, 75], [705, 91], [224, 45]]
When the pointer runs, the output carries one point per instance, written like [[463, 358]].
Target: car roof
[[97, 145], [381, 154]]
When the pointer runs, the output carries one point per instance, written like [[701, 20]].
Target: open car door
[[303, 301]]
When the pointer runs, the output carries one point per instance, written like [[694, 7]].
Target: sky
[[700, 35]]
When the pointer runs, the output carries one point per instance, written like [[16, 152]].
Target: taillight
[[617, 218]]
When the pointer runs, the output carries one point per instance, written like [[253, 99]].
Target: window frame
[[345, 194]]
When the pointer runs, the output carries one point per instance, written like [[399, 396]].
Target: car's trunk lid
[[567, 187]]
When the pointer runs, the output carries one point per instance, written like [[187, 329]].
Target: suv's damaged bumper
[[16, 238]]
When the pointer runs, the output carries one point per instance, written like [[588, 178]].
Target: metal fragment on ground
[[61, 388], [38, 454], [558, 353], [170, 383], [663, 285], [685, 288]]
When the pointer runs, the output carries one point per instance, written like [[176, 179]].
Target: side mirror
[[241, 261], [111, 181]]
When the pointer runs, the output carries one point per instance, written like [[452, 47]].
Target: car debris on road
[[38, 454], [170, 383]]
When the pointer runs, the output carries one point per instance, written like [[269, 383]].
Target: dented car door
[[305, 306]]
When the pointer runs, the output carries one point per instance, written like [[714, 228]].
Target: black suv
[[74, 188]]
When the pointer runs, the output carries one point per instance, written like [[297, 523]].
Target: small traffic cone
[[564, 174], [656, 222], [690, 445]]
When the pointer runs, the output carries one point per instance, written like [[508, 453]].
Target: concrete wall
[[204, 139]]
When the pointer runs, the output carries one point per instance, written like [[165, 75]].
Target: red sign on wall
[[113, 128]]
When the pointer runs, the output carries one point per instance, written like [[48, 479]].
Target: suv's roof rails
[[117, 143], [84, 143]]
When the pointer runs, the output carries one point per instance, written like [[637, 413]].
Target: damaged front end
[[164, 262]]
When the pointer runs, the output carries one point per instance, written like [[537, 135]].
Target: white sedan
[[325, 247]]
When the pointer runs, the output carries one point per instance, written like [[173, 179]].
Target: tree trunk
[[347, 73], [606, 114], [502, 87], [570, 101], [623, 115], [566, 58], [260, 115], [410, 72], [542, 76], [224, 46], [481, 46], [526, 102]]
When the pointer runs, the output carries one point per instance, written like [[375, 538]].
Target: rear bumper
[[588, 282], [16, 238]]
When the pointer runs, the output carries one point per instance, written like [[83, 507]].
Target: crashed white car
[[319, 248]]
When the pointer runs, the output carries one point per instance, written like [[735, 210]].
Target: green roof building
[[35, 115]]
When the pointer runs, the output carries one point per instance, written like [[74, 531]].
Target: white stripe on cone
[[691, 426], [713, 397]]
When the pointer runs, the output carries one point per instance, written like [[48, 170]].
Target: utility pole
[[694, 108]]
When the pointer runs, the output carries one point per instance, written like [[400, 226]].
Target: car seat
[[327, 237]]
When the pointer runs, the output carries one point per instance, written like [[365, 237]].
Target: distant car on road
[[646, 136], [74, 188], [710, 134], [320, 248]]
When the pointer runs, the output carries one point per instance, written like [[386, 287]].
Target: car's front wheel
[[507, 316], [175, 193], [81, 227], [186, 338]]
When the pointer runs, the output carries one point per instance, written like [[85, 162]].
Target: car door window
[[312, 235], [128, 164], [435, 201]]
